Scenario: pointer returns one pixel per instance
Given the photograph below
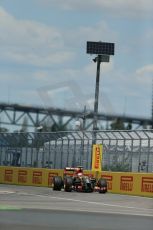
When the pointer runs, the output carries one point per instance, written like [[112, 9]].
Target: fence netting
[[130, 151]]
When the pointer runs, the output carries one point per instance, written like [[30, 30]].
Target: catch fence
[[130, 151]]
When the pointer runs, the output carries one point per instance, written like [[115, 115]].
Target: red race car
[[75, 180]]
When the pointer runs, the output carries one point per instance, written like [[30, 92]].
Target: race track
[[41, 208]]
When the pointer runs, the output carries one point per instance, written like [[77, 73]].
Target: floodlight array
[[100, 48]]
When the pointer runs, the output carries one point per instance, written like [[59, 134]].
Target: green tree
[[49, 126], [129, 126], [3, 130], [118, 124], [59, 126], [118, 167], [24, 128], [22, 137]]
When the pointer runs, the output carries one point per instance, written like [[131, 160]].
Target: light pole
[[98, 59], [103, 50]]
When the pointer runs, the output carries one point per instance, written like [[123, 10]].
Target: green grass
[[7, 207]]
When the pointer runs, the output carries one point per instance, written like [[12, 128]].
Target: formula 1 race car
[[75, 180]]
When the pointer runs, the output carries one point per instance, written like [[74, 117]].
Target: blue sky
[[43, 58]]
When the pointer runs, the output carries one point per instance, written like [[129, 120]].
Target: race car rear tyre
[[57, 183], [102, 184], [68, 184]]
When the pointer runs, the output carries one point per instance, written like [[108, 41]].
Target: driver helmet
[[80, 174]]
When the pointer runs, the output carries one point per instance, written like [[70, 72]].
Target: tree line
[[48, 126]]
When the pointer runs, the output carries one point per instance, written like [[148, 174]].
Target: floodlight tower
[[103, 50], [152, 105]]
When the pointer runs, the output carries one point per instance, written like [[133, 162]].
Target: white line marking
[[90, 202], [97, 203], [6, 192], [138, 197], [102, 211]]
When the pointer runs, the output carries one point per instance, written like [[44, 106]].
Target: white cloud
[[30, 42], [33, 43], [149, 35], [32, 58], [136, 8], [90, 70], [27, 33], [145, 70], [100, 31]]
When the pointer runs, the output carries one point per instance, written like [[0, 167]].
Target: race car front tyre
[[57, 183], [68, 184], [102, 184]]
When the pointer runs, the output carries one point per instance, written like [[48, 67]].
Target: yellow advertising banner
[[140, 184], [28, 176], [97, 158]]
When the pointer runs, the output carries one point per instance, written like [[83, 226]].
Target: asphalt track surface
[[32, 208]]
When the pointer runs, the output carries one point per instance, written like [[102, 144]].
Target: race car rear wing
[[70, 170]]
